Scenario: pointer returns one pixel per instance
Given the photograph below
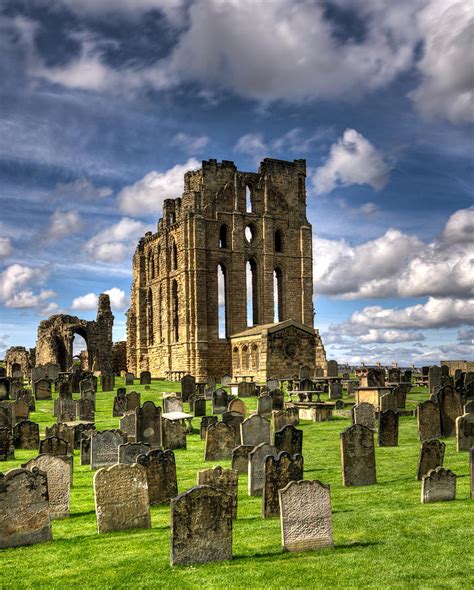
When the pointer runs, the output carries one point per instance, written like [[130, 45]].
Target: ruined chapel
[[225, 284]]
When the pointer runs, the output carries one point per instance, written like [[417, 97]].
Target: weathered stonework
[[173, 320], [19, 359]]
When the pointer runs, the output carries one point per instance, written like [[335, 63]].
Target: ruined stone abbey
[[225, 284]]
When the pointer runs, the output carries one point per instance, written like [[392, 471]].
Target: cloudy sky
[[104, 104]]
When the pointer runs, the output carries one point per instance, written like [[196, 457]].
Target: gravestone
[[58, 472], [246, 389], [199, 406], [127, 424], [394, 375], [24, 508], [107, 382], [450, 408], [55, 446], [78, 429], [375, 378], [85, 448], [27, 396], [332, 369], [188, 387], [129, 378], [278, 472], [469, 407], [278, 399], [305, 516], [225, 480], [438, 485], [145, 378], [133, 401], [42, 389], [62, 431], [358, 456], [26, 435], [429, 420], [128, 452], [306, 385], [64, 389], [388, 429], [431, 456], [7, 418], [21, 410], [256, 467], [289, 439], [149, 425], [160, 467], [234, 419], [240, 458], [172, 404], [237, 405], [7, 448], [206, 421], [264, 405], [104, 447], [471, 471], [38, 373], [64, 409], [335, 390], [121, 498], [220, 440], [434, 377], [272, 384], [389, 401], [201, 526], [220, 401], [226, 380], [364, 414], [85, 410], [465, 432], [284, 417], [4, 388], [174, 434], [255, 430], [120, 403]]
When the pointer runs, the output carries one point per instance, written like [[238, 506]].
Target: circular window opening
[[249, 233]]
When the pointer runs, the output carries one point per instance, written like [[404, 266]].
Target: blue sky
[[105, 104]]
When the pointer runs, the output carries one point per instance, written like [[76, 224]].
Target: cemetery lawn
[[384, 537]]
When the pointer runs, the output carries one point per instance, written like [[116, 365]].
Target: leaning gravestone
[[450, 408], [24, 508], [206, 421], [256, 467], [104, 447], [465, 432], [278, 472], [255, 430], [226, 480], [289, 439], [429, 420], [7, 449], [58, 472], [364, 414], [240, 458], [160, 467], [149, 425], [220, 401], [305, 516], [174, 434], [42, 389], [438, 485], [431, 456], [121, 498], [358, 456], [220, 440], [26, 435], [129, 377], [201, 526], [145, 378], [55, 446], [128, 452], [234, 419], [388, 429]]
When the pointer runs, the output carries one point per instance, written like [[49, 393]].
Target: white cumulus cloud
[[191, 144], [116, 242], [118, 300], [390, 336], [63, 224], [82, 188], [15, 287]]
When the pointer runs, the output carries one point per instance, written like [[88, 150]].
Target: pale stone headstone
[[237, 405], [58, 471], [24, 508], [220, 401], [160, 467], [7, 449], [388, 429], [42, 389], [265, 405], [438, 485], [128, 452], [358, 456], [149, 425], [226, 480], [465, 432], [26, 435], [201, 526], [305, 516], [53, 445], [206, 421], [121, 498], [172, 403], [450, 408], [145, 378], [429, 420], [226, 380], [255, 430], [364, 414], [278, 472], [240, 458], [431, 456], [256, 467], [289, 439], [220, 440], [174, 434], [104, 447]]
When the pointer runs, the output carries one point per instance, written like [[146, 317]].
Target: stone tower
[[231, 261]]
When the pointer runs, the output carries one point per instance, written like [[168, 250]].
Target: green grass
[[384, 537]]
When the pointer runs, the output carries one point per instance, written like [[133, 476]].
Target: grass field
[[384, 537]]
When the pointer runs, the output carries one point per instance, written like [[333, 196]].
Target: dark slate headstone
[[450, 407], [220, 401], [107, 382], [7, 448], [264, 405], [127, 424], [27, 396], [160, 469], [388, 429], [278, 472], [188, 387], [429, 420], [149, 425], [358, 456], [62, 431], [120, 403], [128, 452], [85, 409], [289, 439], [201, 526], [26, 435], [335, 390], [133, 401], [145, 378], [4, 388], [278, 399], [7, 418], [206, 421], [246, 389], [129, 377], [431, 456], [53, 445], [199, 406], [21, 409]]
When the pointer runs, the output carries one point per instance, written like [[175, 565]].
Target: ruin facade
[[19, 359], [56, 337], [225, 284]]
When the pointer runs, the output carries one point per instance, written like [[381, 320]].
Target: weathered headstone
[[188, 387], [438, 485], [394, 375], [272, 384], [24, 508], [206, 421], [429, 420], [85, 409], [129, 378], [172, 404], [4, 388], [234, 419], [278, 399], [434, 377], [358, 456], [64, 409], [388, 429], [450, 408], [264, 405], [289, 439], [256, 467], [201, 526], [58, 471], [226, 480], [7, 448], [62, 431], [107, 382], [145, 378], [332, 369], [246, 389], [431, 456], [128, 452], [226, 380], [364, 414], [174, 434], [220, 401], [278, 472], [220, 440], [104, 447], [7, 418], [237, 405], [305, 515], [149, 425], [133, 401], [199, 406], [465, 432], [127, 424], [284, 417], [21, 410], [55, 446], [255, 430], [26, 435], [240, 458], [120, 403], [42, 389], [335, 390], [121, 498], [160, 469]]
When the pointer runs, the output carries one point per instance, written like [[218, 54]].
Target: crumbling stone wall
[[56, 335], [172, 323], [18, 357], [119, 350]]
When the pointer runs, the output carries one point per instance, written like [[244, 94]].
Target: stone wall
[[119, 351], [19, 358]]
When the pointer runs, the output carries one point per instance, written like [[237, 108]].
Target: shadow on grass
[[356, 545], [79, 514], [256, 555]]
